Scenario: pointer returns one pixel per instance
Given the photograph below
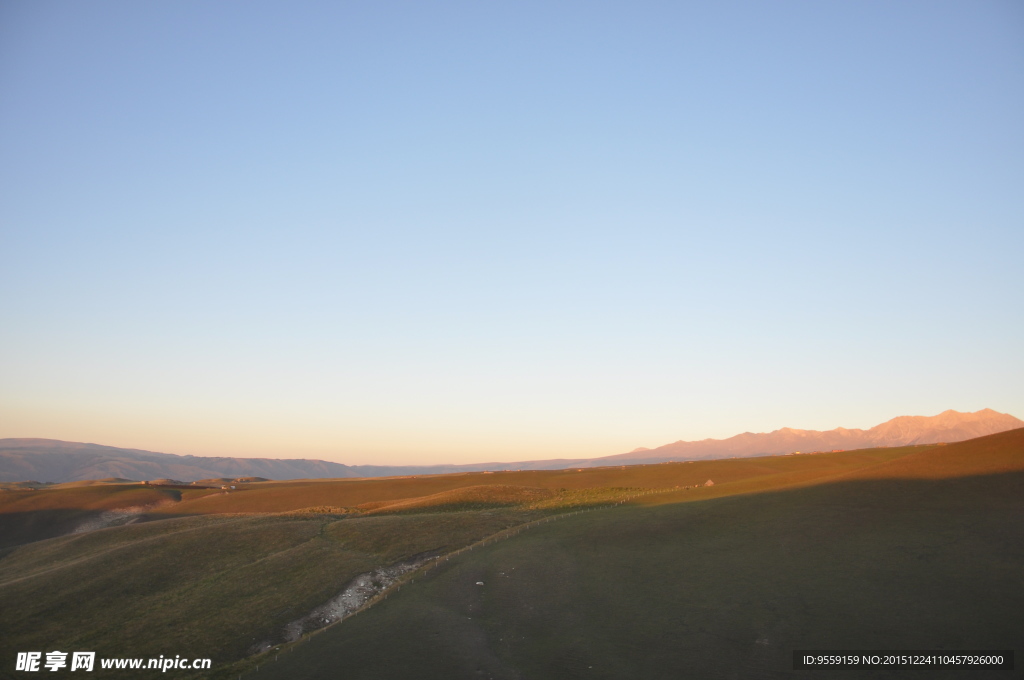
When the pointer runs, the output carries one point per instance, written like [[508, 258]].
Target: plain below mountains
[[51, 461]]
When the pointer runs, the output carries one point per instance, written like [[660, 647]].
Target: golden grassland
[[922, 550], [30, 515], [663, 564]]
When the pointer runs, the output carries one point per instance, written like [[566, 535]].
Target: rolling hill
[[49, 460], [917, 546], [920, 551]]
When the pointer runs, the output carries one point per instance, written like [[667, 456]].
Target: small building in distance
[[709, 483]]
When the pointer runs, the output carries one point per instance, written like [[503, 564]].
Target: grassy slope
[[207, 582], [771, 471], [923, 551], [204, 586], [34, 515]]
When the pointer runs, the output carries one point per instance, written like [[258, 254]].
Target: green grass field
[[920, 547], [35, 515], [923, 551]]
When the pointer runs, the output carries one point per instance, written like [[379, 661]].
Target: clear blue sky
[[399, 232]]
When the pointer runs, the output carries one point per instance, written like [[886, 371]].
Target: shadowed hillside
[[898, 547], [61, 509], [921, 552], [33, 515]]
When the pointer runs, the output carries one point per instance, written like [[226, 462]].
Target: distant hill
[[54, 461], [49, 460]]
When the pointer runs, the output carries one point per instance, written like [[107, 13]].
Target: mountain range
[[948, 426], [48, 460]]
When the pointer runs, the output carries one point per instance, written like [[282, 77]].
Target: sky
[[404, 232]]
